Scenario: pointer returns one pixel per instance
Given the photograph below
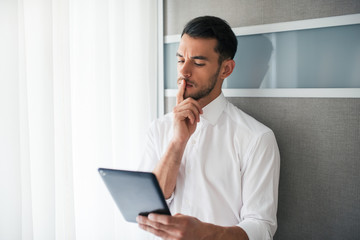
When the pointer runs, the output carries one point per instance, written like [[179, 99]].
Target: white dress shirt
[[229, 172]]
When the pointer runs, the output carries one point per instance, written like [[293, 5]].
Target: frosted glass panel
[[315, 58], [170, 65]]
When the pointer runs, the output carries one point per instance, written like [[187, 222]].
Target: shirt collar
[[213, 110]]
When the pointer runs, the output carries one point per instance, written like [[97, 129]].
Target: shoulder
[[244, 122], [162, 125], [162, 121]]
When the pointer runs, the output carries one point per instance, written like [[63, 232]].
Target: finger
[[190, 106], [193, 102], [180, 93], [185, 114], [156, 232], [160, 218], [157, 225], [154, 221]]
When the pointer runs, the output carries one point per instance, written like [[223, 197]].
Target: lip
[[188, 85]]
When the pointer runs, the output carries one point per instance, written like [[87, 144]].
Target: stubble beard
[[204, 91]]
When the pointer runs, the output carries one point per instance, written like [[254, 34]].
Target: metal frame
[[286, 92], [287, 26], [160, 57], [281, 27]]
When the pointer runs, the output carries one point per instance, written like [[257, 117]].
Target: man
[[217, 167]]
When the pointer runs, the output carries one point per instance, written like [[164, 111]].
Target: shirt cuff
[[255, 230], [169, 200]]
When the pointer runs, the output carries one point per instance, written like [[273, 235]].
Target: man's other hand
[[172, 227]]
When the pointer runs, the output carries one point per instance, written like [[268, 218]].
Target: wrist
[[178, 146], [220, 232]]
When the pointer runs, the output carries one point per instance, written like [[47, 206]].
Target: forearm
[[167, 168], [224, 233]]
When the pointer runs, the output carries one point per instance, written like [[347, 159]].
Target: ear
[[227, 68]]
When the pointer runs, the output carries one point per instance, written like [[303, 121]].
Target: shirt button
[[193, 141]]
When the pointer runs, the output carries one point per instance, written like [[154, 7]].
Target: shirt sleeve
[[169, 200], [260, 188], [150, 154]]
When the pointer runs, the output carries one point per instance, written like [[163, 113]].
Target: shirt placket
[[190, 178]]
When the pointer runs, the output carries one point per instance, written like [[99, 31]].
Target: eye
[[199, 64]]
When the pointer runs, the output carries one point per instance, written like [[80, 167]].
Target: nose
[[184, 69]]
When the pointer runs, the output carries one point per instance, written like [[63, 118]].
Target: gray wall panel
[[246, 13], [319, 141]]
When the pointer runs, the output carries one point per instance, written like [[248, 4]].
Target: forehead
[[190, 46]]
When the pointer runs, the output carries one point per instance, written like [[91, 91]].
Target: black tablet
[[135, 193]]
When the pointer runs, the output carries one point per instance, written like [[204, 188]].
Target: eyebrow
[[193, 57]]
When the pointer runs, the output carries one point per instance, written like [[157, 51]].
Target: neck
[[209, 98]]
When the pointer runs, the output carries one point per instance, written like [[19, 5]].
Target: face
[[198, 65]]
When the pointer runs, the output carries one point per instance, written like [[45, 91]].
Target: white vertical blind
[[77, 92]]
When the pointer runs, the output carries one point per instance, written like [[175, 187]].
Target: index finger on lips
[[180, 93]]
